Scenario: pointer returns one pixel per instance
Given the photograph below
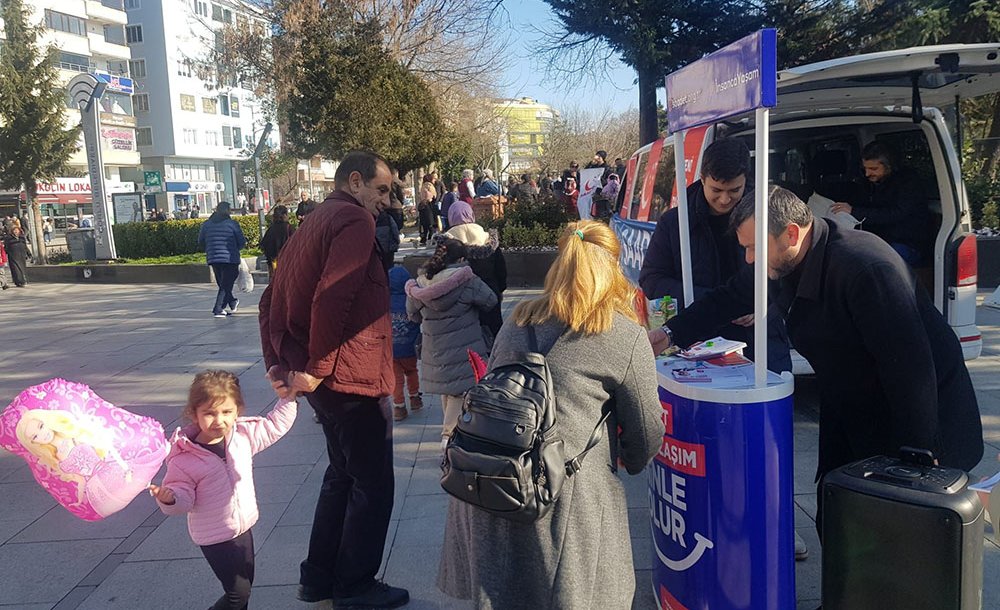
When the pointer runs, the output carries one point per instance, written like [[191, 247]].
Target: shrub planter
[[524, 267], [120, 274], [989, 262], [103, 273]]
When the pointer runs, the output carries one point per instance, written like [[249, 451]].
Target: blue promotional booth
[[720, 489]]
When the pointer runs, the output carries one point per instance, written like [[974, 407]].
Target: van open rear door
[[915, 77]]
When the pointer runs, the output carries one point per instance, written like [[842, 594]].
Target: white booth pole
[[687, 282], [760, 247]]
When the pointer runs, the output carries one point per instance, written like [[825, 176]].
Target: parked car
[[826, 113]]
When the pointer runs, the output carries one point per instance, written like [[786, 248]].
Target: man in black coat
[[892, 207], [716, 255], [890, 369]]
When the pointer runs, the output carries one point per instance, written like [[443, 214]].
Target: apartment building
[[527, 123], [194, 123], [89, 36]]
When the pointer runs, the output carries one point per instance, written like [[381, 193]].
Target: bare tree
[[579, 133]]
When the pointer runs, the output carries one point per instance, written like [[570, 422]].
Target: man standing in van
[[716, 255], [890, 368], [893, 208]]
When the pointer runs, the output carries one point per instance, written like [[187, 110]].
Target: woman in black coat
[[17, 256]]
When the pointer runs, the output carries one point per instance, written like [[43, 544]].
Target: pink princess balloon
[[91, 456]]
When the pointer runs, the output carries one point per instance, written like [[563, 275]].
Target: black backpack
[[506, 456]]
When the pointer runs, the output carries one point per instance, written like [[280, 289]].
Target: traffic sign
[[154, 182]]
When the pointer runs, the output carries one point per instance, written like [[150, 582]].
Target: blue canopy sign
[[735, 79], [118, 84]]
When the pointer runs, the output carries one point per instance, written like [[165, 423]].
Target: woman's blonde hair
[[211, 388], [67, 425], [585, 286]]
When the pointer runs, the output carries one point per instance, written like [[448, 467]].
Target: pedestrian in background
[[488, 187], [405, 334], [427, 209], [47, 230], [446, 300], [3, 267], [466, 187], [578, 555], [210, 477], [222, 239], [325, 331], [486, 259], [17, 255], [275, 237]]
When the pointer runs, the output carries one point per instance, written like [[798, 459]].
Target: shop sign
[[118, 139]]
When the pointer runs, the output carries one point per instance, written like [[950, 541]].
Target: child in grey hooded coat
[[446, 299]]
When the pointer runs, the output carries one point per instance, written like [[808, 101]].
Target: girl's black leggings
[[232, 562]]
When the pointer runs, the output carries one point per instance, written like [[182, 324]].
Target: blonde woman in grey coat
[[578, 555], [446, 300]]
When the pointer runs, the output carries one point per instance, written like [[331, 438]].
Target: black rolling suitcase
[[901, 535]]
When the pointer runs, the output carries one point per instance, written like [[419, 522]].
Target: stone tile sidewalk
[[139, 346]]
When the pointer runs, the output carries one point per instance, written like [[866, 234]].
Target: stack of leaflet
[[713, 348]]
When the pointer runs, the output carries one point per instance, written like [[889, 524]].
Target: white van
[[826, 113]]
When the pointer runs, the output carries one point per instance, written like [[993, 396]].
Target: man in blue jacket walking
[[222, 239]]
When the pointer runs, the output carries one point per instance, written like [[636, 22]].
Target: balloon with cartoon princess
[[92, 457]]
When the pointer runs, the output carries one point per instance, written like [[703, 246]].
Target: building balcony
[[107, 11], [100, 46]]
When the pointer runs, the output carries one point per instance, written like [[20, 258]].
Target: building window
[[75, 63], [234, 107], [118, 67], [227, 136], [132, 4], [65, 23], [209, 105], [133, 34], [224, 104], [190, 136], [187, 102], [237, 136], [211, 138], [141, 102], [115, 34], [201, 8], [144, 136], [221, 14], [137, 68], [183, 67]]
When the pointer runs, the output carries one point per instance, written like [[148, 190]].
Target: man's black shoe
[[380, 595], [312, 595]]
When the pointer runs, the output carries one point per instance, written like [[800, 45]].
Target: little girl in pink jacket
[[210, 477]]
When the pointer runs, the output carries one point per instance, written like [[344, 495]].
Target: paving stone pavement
[[139, 346]]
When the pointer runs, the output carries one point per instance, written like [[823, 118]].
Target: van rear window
[[663, 188]]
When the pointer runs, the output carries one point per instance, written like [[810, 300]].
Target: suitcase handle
[[920, 457]]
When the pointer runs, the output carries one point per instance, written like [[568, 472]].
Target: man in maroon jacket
[[326, 333]]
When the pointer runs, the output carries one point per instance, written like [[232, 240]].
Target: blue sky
[[526, 76]]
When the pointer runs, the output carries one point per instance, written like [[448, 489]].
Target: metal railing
[[74, 67]]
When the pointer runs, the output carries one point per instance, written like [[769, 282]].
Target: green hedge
[[533, 236], [170, 237]]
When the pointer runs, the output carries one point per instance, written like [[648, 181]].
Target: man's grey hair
[[488, 174], [467, 174], [783, 208]]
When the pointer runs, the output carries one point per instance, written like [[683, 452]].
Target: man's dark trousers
[[355, 501]]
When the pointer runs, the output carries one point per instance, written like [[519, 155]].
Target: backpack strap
[[532, 338], [574, 465]]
